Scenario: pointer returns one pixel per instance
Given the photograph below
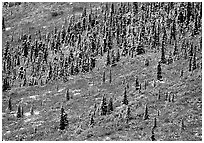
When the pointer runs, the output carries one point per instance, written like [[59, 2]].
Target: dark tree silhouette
[[125, 100], [159, 72]]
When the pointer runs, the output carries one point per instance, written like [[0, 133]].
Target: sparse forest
[[129, 71]]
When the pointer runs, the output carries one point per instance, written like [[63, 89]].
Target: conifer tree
[[118, 55], [108, 62], [181, 74], [103, 106], [155, 123], [182, 124], [194, 60], [137, 85], [91, 120], [22, 111], [169, 98], [190, 64], [146, 62], [110, 77], [159, 96], [18, 114], [159, 76], [163, 59], [63, 119], [127, 114], [125, 100], [3, 24], [104, 77], [9, 104], [146, 116], [110, 106], [175, 49], [67, 97], [153, 136], [31, 110], [172, 98]]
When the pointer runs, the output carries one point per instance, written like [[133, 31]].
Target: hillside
[[175, 101]]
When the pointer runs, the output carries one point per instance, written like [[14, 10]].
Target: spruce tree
[[127, 114], [104, 77], [159, 72], [108, 61], [18, 114], [190, 64], [110, 77], [159, 96], [110, 106], [182, 124], [194, 60], [146, 116], [3, 24], [175, 49], [22, 111], [146, 62], [118, 55], [125, 100], [155, 123], [163, 59], [9, 104], [67, 97], [103, 106], [137, 85], [172, 98], [63, 119], [181, 74], [31, 111], [153, 136]]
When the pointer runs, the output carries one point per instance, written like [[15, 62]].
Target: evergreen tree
[[3, 24], [159, 72], [181, 75], [155, 123], [125, 100], [152, 136], [175, 49], [18, 114], [163, 59], [104, 77], [137, 85], [63, 119], [182, 124], [146, 62], [103, 106], [31, 110], [118, 55], [110, 79], [67, 97], [22, 111], [190, 64], [172, 99], [9, 104], [110, 106], [194, 60], [159, 96], [146, 116], [108, 62], [127, 114]]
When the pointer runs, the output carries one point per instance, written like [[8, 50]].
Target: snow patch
[[8, 132], [34, 96], [75, 90], [8, 28], [76, 94], [61, 90]]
